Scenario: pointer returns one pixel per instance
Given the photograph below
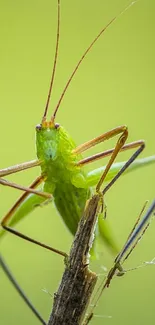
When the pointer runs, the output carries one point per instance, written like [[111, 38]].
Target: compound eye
[[38, 127], [57, 125]]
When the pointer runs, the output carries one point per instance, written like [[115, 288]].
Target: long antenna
[[54, 65], [84, 55]]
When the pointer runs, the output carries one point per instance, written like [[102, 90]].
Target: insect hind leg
[[19, 290]]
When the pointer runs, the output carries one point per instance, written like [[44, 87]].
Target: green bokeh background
[[114, 86]]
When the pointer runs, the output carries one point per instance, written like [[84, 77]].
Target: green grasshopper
[[63, 175]]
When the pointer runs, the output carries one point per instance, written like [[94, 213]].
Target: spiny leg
[[8, 216], [114, 152], [125, 247], [107, 153], [117, 265], [101, 138], [121, 272], [120, 146], [19, 290], [137, 221], [108, 169], [126, 165], [105, 136], [119, 259], [140, 144], [141, 226], [121, 171], [117, 149]]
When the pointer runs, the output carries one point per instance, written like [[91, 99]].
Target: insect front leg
[[120, 146], [17, 168], [9, 215]]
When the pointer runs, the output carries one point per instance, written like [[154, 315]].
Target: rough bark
[[78, 282]]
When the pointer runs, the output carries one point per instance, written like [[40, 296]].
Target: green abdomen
[[70, 202]]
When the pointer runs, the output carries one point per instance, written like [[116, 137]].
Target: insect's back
[[64, 180], [70, 202]]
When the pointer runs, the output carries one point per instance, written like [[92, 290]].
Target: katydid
[[62, 173], [62, 166]]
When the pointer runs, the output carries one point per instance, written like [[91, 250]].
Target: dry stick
[[78, 282]]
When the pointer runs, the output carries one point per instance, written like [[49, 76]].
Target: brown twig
[[78, 282]]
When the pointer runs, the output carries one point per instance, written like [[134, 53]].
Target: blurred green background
[[114, 86]]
